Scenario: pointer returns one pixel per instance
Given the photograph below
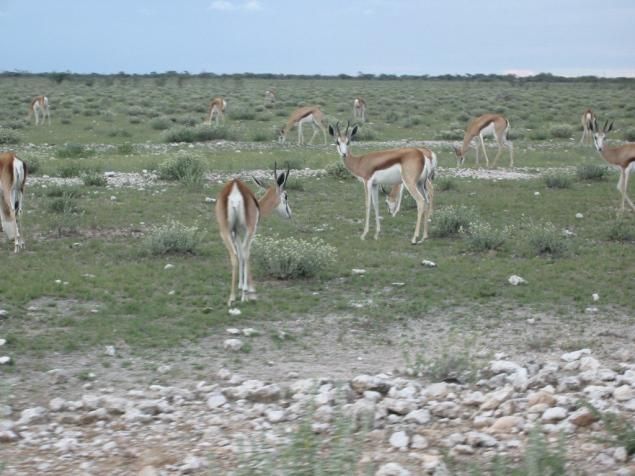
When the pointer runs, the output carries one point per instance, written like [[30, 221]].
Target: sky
[[415, 37]]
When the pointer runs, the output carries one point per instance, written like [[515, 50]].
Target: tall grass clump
[[561, 131], [452, 220], [172, 238], [94, 179], [198, 133], [545, 239], [291, 258], [73, 151], [182, 168], [591, 172], [445, 184], [555, 180], [483, 237], [9, 136], [338, 170]]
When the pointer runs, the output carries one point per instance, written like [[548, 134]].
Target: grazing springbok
[[13, 173], [411, 166], [40, 107], [359, 109], [304, 115], [395, 194], [270, 97], [216, 110], [622, 157], [487, 124], [587, 122], [238, 212]]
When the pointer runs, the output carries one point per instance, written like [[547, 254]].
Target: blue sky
[[564, 37]]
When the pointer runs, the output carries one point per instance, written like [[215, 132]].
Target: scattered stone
[[233, 344], [392, 469], [168, 266], [5, 359], [428, 264], [234, 311], [515, 280], [399, 440], [358, 271]]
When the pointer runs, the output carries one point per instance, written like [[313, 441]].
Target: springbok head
[[276, 197], [599, 135], [342, 140]]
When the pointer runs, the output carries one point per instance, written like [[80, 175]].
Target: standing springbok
[[622, 157], [395, 194], [13, 173], [40, 106], [304, 115], [359, 109], [238, 212], [587, 122], [270, 97], [487, 124], [216, 110], [411, 166]]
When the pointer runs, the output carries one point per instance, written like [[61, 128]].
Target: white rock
[[429, 264], [233, 331], [623, 393], [110, 350], [589, 363], [233, 344], [515, 280], [399, 440], [478, 439], [503, 366], [392, 469], [210, 200], [595, 297], [168, 266], [234, 311], [436, 391], [4, 313], [2, 342], [57, 404], [358, 271], [554, 414], [420, 416], [579, 215], [32, 415], [192, 464], [215, 401], [620, 454], [5, 359], [575, 355]]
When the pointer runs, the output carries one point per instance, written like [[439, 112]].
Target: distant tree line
[[59, 77]]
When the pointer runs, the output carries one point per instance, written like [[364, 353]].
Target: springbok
[[359, 109], [270, 97], [395, 194], [622, 157], [587, 122], [238, 212], [304, 115], [494, 124], [411, 166], [40, 106], [13, 172], [216, 110]]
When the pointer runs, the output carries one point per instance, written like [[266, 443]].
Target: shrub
[[338, 170], [242, 114], [9, 136], [445, 184], [538, 134], [452, 220], [545, 239], [173, 237], [561, 131], [261, 136], [125, 149], [483, 237], [64, 204], [198, 134], [160, 123], [621, 230], [73, 151], [33, 165], [290, 258], [629, 134], [365, 133], [183, 168], [70, 170], [553, 180], [94, 179], [591, 172]]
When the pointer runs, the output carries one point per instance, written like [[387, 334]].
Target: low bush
[[291, 258], [338, 170], [621, 230], [591, 172], [94, 179], [483, 237], [554, 180], [9, 137], [546, 239], [561, 131], [199, 133], [182, 168], [172, 238], [73, 151], [452, 220]]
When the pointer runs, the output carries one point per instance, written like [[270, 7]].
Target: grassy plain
[[86, 278]]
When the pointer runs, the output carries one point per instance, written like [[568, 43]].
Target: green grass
[[74, 231]]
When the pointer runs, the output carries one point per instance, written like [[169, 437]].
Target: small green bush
[[199, 133], [338, 170], [172, 238], [73, 151], [33, 165], [9, 136], [561, 131], [545, 239], [554, 180], [64, 204], [483, 237], [621, 230], [629, 134], [182, 168], [125, 149], [291, 258], [160, 123], [538, 134], [452, 220], [445, 184], [261, 136], [242, 114], [591, 172], [366, 133], [70, 170], [94, 179]]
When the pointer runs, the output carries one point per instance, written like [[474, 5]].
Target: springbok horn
[[605, 124], [286, 177], [275, 172]]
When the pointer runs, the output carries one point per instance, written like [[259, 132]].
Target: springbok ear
[[354, 130], [610, 127], [331, 130], [258, 182], [281, 180]]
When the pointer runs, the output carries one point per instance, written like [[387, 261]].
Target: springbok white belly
[[489, 130], [388, 176]]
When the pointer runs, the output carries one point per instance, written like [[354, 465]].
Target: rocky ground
[[157, 416]]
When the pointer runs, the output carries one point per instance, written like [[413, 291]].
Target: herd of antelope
[[238, 210]]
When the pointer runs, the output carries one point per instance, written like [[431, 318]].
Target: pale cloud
[[228, 6], [520, 73]]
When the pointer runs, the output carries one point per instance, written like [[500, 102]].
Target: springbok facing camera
[[587, 122], [622, 157], [216, 110], [411, 166], [40, 107], [304, 115], [13, 172], [359, 109], [238, 212], [487, 124]]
